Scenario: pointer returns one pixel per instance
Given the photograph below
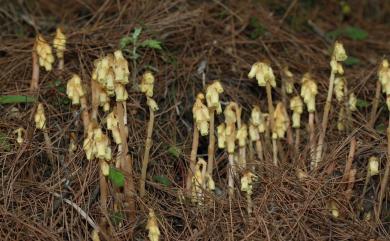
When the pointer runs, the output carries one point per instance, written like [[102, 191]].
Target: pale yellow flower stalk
[[152, 227], [59, 43], [40, 123], [308, 93], [338, 55], [296, 105], [247, 186], [257, 120], [230, 121], [147, 88], [213, 103], [45, 55]]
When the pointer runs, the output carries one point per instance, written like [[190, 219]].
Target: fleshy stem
[[325, 119], [125, 159], [211, 149], [385, 178], [312, 141], [148, 145], [375, 104], [194, 151], [271, 120], [35, 70]]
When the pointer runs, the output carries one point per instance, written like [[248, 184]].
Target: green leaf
[[354, 33], [380, 127], [125, 41], [258, 28], [360, 103], [116, 177], [350, 61], [136, 34], [162, 180], [4, 142], [174, 151], [117, 218], [151, 43], [15, 99]]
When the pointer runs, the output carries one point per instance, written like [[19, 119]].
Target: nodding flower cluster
[[97, 144], [263, 73], [59, 43], [384, 79], [44, 52], [112, 74], [201, 115], [74, 89], [309, 92]]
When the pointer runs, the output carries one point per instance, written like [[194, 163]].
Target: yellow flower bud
[[113, 126], [309, 92], [74, 89], [339, 53], [221, 136], [242, 135], [201, 115], [212, 96], [88, 145], [254, 132], [105, 168], [256, 116], [40, 119], [289, 80], [44, 52], [152, 104], [373, 166], [247, 182], [341, 120], [103, 98], [20, 131], [263, 73], [230, 137], [296, 105], [352, 102], [334, 209], [120, 92], [339, 84], [210, 183], [384, 76], [147, 84], [152, 227], [280, 121], [121, 68], [198, 180], [103, 150], [59, 43]]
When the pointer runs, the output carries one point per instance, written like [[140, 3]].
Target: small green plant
[[132, 51]]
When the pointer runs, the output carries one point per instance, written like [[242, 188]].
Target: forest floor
[[221, 39]]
